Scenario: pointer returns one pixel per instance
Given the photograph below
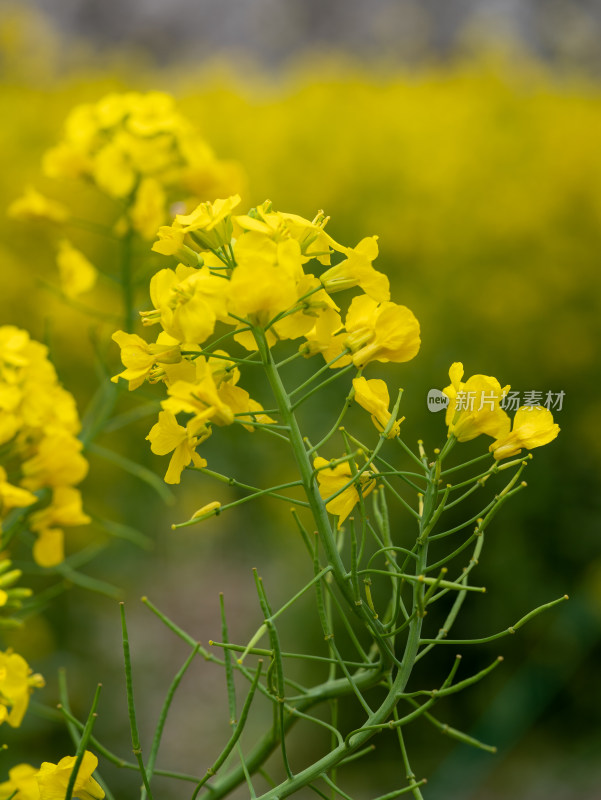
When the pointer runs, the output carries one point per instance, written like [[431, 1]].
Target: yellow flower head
[[22, 779], [280, 225], [167, 435], [53, 779], [170, 242], [533, 426], [77, 274], [148, 211], [58, 462], [474, 406], [242, 405], [13, 496], [124, 140], [380, 331], [326, 337], [372, 395], [210, 222], [200, 397], [266, 279], [187, 302], [331, 479], [16, 685], [65, 510], [139, 358], [34, 206], [357, 270]]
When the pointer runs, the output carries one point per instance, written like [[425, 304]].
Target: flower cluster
[[246, 276], [39, 446], [533, 426], [50, 781], [137, 149]]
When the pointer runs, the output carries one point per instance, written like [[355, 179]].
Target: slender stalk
[[135, 736], [127, 283]]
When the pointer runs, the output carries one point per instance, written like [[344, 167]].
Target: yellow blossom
[[148, 210], [533, 426], [357, 270], [53, 779], [17, 682], [170, 242], [21, 779], [331, 480], [66, 161], [49, 547], [187, 302], [241, 402], [64, 510], [77, 274], [33, 205], [372, 395], [265, 281], [113, 172], [222, 368], [279, 225], [200, 398], [13, 496], [58, 462], [380, 331], [474, 406], [166, 436], [326, 337], [124, 139], [139, 357], [312, 303], [210, 222]]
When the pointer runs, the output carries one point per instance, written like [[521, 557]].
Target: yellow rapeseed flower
[[139, 357], [200, 398], [210, 222], [331, 479], [148, 210], [380, 331], [372, 395], [168, 436], [357, 270], [53, 779], [13, 496], [17, 682], [533, 426], [58, 462], [34, 206], [474, 406], [77, 274], [22, 779], [65, 510]]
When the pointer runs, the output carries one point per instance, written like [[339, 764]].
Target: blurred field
[[482, 179]]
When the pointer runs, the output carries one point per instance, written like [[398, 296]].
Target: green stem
[[127, 282], [135, 736]]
